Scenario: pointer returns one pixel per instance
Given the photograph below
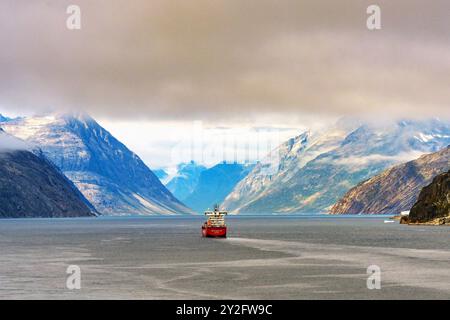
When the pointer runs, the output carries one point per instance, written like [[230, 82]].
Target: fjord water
[[265, 257]]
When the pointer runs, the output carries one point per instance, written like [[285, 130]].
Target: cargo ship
[[215, 226]]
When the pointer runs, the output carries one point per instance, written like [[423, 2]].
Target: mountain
[[3, 118], [31, 186], [110, 176], [6, 119], [281, 165], [312, 171], [214, 184], [395, 189], [433, 205], [160, 173], [185, 180]]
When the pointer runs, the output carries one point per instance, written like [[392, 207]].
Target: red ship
[[215, 226]]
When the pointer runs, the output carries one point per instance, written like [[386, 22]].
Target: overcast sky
[[239, 62]]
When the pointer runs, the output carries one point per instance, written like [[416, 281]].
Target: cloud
[[166, 144], [375, 158], [162, 59]]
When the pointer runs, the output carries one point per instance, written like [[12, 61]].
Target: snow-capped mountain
[[185, 179], [3, 118], [110, 176], [282, 164], [31, 186], [314, 170], [215, 183]]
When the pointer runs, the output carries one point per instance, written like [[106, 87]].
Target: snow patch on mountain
[[315, 169], [104, 170]]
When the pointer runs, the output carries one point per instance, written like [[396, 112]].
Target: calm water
[[270, 257]]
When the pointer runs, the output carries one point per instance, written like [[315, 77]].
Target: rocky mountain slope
[[31, 186], [309, 173], [214, 184], [395, 189], [433, 205], [110, 176]]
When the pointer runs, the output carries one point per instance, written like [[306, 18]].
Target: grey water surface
[[264, 257]]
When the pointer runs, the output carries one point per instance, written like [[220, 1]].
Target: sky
[[165, 144], [150, 69]]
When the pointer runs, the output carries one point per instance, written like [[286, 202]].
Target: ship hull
[[214, 232]]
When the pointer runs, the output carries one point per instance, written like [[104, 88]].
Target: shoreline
[[442, 221]]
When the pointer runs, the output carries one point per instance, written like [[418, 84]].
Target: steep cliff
[[433, 205]]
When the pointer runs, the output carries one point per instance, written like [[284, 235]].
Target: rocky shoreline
[[434, 222], [433, 204]]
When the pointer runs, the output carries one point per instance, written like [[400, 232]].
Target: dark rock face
[[395, 189], [433, 202], [30, 186]]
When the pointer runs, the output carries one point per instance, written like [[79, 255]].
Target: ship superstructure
[[215, 224]]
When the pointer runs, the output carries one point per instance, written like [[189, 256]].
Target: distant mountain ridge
[[31, 186], [111, 177], [395, 189], [314, 170], [186, 179], [3, 118], [160, 173], [215, 183]]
